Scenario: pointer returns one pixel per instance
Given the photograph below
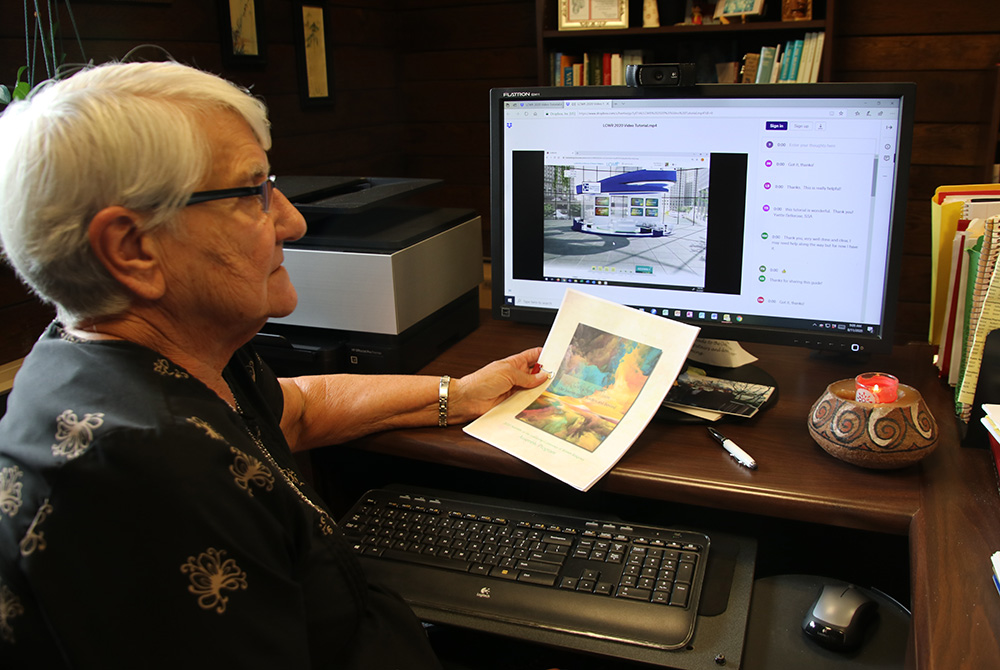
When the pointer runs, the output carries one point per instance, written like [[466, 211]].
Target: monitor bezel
[[820, 339]]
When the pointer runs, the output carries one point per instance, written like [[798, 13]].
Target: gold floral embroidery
[[252, 370], [210, 574], [10, 490], [73, 436], [204, 425], [292, 476], [167, 369], [248, 470], [325, 524], [34, 540], [10, 607]]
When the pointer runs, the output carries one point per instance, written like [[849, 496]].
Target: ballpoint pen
[[741, 457]]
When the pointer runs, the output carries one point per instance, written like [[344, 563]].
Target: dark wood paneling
[[952, 57], [864, 17], [361, 134], [916, 52]]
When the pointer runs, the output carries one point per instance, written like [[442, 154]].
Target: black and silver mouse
[[839, 617]]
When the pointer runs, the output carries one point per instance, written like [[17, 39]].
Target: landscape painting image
[[599, 378]]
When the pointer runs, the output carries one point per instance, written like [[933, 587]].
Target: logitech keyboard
[[511, 563]]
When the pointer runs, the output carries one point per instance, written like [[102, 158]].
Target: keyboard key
[[542, 578], [604, 588], [679, 596], [503, 573], [538, 566], [633, 593], [568, 583]]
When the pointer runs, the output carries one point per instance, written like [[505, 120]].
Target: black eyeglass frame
[[265, 190]]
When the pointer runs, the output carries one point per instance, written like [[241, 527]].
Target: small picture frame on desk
[[242, 32], [731, 8], [592, 14], [314, 63]]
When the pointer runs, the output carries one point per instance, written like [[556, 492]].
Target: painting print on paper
[[599, 378]]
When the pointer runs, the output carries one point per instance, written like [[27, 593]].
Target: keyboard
[[491, 562]]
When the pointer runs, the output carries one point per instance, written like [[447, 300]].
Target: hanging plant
[[42, 34]]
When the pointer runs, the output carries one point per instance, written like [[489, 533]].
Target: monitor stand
[[745, 373]]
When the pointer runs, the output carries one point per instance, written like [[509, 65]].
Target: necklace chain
[[326, 522]]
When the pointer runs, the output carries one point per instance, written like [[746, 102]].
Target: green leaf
[[21, 90], [4, 95]]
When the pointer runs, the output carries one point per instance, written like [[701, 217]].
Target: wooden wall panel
[[454, 53], [952, 57], [362, 133]]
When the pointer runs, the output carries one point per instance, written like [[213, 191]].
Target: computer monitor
[[761, 213]]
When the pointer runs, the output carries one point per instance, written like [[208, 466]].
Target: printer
[[383, 286]]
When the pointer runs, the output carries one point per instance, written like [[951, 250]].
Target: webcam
[[661, 74]]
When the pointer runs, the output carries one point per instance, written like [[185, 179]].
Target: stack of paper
[[611, 367]]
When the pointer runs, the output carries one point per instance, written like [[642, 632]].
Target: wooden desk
[[948, 504]]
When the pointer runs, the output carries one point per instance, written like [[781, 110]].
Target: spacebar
[[425, 559]]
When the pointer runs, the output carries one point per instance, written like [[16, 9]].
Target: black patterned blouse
[[143, 523]]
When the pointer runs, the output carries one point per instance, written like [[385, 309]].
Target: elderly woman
[[150, 510]]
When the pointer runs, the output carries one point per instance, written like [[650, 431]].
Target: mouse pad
[[775, 638], [718, 576]]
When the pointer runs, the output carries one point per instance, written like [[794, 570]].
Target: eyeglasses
[[265, 190]]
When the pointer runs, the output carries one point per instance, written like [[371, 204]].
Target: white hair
[[127, 134]]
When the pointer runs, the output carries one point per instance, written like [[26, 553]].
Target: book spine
[[785, 63], [793, 68]]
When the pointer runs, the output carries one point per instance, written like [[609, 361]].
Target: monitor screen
[[761, 213]]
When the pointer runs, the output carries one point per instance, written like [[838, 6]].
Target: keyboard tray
[[457, 556]]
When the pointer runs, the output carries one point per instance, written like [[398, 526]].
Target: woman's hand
[[476, 393]]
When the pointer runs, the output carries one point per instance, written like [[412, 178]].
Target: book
[[727, 73], [748, 74], [611, 367], [779, 54], [617, 70], [796, 58], [804, 75], [767, 56], [814, 75], [785, 62]]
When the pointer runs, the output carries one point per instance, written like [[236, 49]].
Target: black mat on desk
[[775, 638]]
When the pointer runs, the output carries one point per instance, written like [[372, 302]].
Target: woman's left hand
[[476, 393]]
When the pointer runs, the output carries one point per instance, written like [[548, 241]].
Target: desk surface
[[948, 504]]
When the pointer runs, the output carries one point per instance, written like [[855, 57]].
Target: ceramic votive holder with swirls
[[873, 435]]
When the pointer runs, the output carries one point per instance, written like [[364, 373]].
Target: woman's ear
[[126, 251]]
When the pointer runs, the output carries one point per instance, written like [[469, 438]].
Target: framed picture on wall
[[730, 8], [242, 33], [592, 14], [311, 26]]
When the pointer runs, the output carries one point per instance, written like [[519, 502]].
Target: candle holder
[[873, 435], [875, 387]]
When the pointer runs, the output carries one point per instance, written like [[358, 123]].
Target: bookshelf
[[703, 45]]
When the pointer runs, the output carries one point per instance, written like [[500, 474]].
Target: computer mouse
[[839, 617]]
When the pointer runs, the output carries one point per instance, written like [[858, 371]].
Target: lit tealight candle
[[875, 387]]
